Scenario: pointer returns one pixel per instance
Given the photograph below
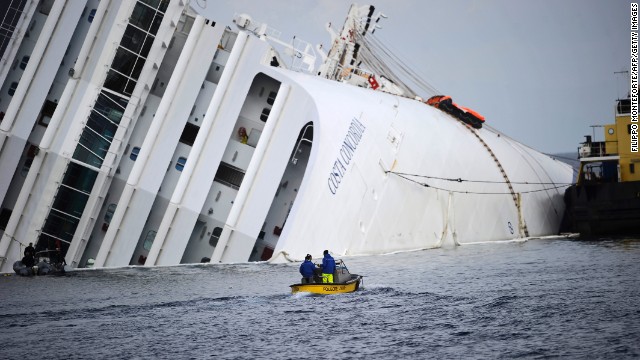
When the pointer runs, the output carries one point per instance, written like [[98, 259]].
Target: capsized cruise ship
[[142, 133]]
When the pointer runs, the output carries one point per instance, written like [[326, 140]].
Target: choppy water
[[536, 299]]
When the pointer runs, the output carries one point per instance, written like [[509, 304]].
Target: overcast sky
[[540, 71]]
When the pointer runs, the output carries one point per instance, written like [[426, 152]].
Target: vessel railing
[[340, 265], [597, 149]]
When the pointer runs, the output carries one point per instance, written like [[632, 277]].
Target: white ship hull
[[349, 203], [325, 165]]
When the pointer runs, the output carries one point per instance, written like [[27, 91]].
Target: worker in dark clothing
[[307, 269], [58, 258], [29, 256], [30, 251], [328, 267]]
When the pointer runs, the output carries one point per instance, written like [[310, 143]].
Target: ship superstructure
[[175, 139], [606, 198]]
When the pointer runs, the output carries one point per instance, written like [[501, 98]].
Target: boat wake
[[300, 295]]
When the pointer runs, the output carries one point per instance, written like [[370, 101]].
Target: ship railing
[[303, 56], [597, 149], [591, 149], [597, 173], [341, 267], [347, 73]]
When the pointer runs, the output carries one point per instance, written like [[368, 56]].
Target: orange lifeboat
[[466, 115]]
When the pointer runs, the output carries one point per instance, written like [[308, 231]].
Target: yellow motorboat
[[344, 282]]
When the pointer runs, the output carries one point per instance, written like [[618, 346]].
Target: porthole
[[12, 88]]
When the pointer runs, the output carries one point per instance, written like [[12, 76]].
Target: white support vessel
[[176, 140]]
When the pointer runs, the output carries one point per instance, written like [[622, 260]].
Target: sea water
[[534, 299]]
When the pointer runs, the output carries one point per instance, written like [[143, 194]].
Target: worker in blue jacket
[[307, 269], [328, 267]]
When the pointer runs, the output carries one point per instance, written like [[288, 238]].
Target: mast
[[343, 54]]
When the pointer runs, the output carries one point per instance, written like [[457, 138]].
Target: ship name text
[[345, 154], [333, 288]]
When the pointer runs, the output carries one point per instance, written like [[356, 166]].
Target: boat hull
[[23, 270], [42, 268], [328, 288], [603, 209]]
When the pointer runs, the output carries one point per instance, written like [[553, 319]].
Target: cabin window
[[109, 214], [189, 134], [12, 88], [45, 7], [118, 83], [215, 235], [180, 163], [632, 168], [187, 24], [265, 114], [272, 97], [145, 17], [46, 114], [31, 153], [267, 253], [127, 63], [25, 168], [229, 175], [148, 240], [24, 62], [92, 14], [134, 153], [624, 106], [5, 214]]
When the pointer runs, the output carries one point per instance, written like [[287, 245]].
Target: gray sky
[[540, 71]]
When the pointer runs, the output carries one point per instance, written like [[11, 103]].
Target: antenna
[[621, 72], [593, 127]]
